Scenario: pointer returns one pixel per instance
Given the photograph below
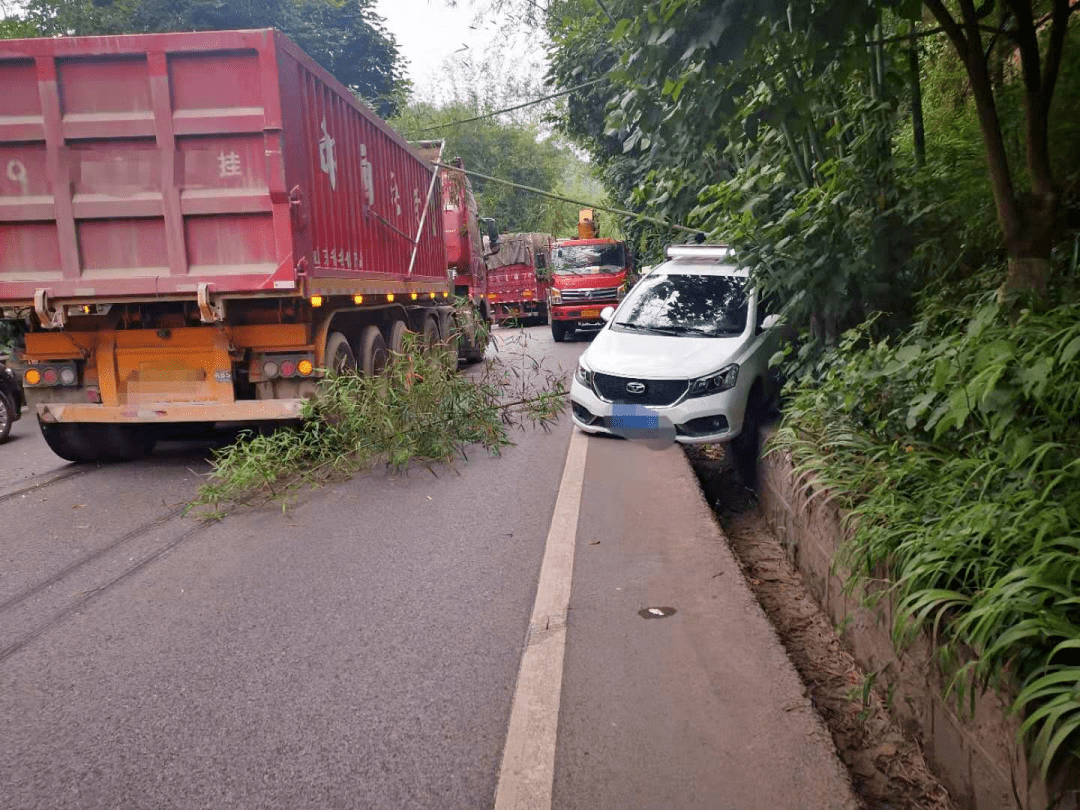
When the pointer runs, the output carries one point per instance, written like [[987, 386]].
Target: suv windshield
[[683, 304], [581, 260]]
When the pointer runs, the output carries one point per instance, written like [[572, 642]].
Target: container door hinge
[[48, 317], [210, 311]]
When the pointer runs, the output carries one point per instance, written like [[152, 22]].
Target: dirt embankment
[[887, 770]]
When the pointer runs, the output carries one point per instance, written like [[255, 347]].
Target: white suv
[[691, 344]]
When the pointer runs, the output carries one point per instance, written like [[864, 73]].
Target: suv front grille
[[658, 393], [602, 294]]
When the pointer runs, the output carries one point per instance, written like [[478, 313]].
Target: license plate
[[590, 313], [634, 416], [638, 423]]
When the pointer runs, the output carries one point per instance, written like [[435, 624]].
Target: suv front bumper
[[697, 420]]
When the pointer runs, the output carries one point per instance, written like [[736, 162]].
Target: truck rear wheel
[[339, 356], [373, 356], [474, 336], [430, 336], [451, 335], [397, 337], [93, 442], [558, 331]]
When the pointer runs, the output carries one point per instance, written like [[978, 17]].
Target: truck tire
[[451, 335], [373, 355], [558, 331], [430, 337], [7, 416], [474, 337], [339, 357], [90, 443], [397, 337]]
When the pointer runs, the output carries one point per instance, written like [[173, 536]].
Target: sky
[[429, 32]]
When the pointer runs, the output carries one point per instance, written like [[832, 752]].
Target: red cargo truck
[[588, 274], [194, 225], [519, 275], [461, 230]]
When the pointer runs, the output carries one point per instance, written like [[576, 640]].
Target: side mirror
[[492, 231], [606, 313], [770, 321]]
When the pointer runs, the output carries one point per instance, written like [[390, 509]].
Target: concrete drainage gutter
[[977, 757]]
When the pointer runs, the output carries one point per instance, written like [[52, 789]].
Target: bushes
[[956, 450], [421, 410]]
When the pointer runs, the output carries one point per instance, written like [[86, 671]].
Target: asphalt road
[[362, 650]]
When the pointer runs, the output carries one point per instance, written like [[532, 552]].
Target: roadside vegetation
[[420, 413], [519, 149], [904, 176]]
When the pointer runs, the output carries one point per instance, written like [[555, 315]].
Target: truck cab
[[587, 274]]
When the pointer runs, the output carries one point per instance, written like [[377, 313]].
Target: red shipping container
[[140, 167]]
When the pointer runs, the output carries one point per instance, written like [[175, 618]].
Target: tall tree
[[1037, 32]]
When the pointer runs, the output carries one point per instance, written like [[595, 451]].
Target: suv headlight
[[556, 296], [623, 290], [722, 380], [584, 374]]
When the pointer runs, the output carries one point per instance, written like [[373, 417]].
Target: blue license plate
[[639, 423]]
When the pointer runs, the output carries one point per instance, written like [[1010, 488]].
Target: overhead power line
[[416, 132], [643, 217]]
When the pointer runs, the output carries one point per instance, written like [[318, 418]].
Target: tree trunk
[[1027, 221], [919, 130], [1029, 249]]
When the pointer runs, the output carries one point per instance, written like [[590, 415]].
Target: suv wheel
[[747, 444]]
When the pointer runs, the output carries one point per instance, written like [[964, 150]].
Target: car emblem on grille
[[635, 388]]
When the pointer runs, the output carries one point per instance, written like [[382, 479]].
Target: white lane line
[[528, 766]]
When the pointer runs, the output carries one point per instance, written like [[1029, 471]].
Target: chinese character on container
[[229, 164], [327, 158]]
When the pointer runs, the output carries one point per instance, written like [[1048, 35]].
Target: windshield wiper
[[701, 330], [659, 330]]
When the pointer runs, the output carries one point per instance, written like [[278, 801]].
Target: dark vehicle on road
[[11, 400]]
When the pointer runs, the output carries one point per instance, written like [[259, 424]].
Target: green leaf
[[1070, 351], [959, 407], [942, 372]]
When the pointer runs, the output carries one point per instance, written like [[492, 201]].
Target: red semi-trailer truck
[[194, 225], [462, 233], [588, 274], [519, 276]]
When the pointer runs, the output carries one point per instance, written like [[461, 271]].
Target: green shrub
[[421, 410], [956, 451]]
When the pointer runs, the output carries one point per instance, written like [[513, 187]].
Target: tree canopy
[[512, 149]]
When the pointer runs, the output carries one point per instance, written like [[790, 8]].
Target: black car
[[11, 400]]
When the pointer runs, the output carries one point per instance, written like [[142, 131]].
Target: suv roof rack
[[699, 251]]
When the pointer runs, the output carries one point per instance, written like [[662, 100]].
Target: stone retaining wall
[[977, 757]]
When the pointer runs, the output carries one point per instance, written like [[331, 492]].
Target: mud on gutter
[[888, 771]]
